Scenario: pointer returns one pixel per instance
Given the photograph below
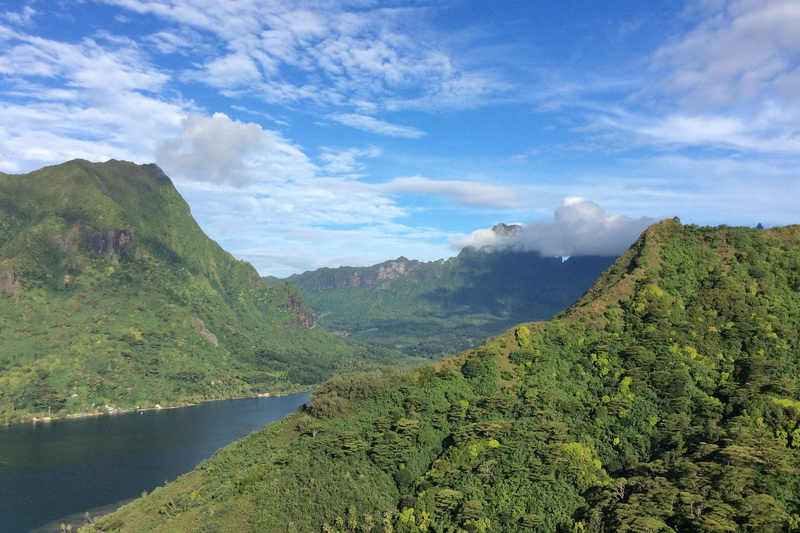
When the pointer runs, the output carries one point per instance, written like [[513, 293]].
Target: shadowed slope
[[443, 307]]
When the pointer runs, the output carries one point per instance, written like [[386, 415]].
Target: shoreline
[[118, 411], [79, 521]]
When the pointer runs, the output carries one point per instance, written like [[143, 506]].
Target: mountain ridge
[[442, 307], [113, 295], [666, 399]]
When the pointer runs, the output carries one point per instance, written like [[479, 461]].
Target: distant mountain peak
[[505, 230]]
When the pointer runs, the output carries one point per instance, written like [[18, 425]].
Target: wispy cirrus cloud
[[348, 161], [64, 100], [373, 125], [766, 130], [729, 82], [23, 17], [334, 52], [722, 131], [252, 107], [466, 193], [742, 51]]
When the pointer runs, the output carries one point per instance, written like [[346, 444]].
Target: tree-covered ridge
[[665, 401], [443, 307], [111, 294]]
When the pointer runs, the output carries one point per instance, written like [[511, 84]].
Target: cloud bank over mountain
[[580, 227]]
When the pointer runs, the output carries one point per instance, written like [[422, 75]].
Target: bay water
[[53, 472]]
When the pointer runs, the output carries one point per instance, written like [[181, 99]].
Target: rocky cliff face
[[440, 307], [356, 277], [8, 284], [106, 243], [293, 302], [506, 230]]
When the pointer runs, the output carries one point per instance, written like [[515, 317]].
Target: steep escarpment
[[359, 277]]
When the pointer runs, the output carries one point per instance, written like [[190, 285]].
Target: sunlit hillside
[[665, 400]]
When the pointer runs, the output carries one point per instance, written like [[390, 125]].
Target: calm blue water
[[49, 471]]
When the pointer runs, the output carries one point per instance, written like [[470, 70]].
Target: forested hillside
[[666, 399], [444, 307], [111, 295]]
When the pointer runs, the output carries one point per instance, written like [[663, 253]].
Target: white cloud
[[330, 52], [23, 17], [730, 82], [315, 203], [286, 227], [771, 130], [460, 90], [744, 50], [107, 67], [220, 150], [467, 193], [699, 130], [249, 187], [346, 161], [173, 42], [67, 100], [719, 96], [231, 71], [373, 125], [580, 227]]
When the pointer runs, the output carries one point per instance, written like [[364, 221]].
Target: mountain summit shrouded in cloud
[[580, 227]]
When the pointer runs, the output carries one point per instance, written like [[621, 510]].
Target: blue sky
[[347, 132]]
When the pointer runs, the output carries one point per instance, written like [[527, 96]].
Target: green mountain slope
[[666, 399], [444, 307], [110, 293]]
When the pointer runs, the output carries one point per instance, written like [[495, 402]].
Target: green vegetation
[[110, 294], [665, 400], [445, 307]]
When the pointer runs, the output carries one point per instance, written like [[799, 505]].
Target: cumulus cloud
[[217, 149], [580, 227]]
